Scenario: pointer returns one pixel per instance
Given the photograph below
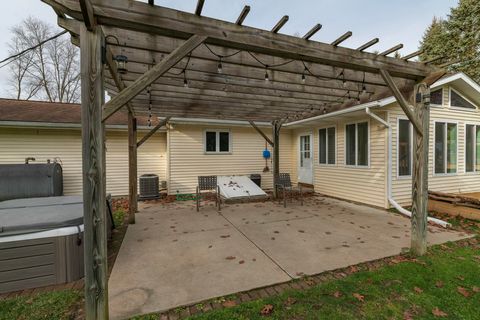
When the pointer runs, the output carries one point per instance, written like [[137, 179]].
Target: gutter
[[395, 204], [60, 125]]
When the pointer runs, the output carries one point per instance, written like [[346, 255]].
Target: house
[[363, 153], [52, 131]]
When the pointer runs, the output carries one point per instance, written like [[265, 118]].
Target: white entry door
[[305, 159]]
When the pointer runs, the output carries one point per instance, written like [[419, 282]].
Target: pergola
[[166, 63]]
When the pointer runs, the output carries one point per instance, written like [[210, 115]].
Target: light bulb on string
[[266, 74], [219, 66], [185, 82], [304, 77], [364, 89]]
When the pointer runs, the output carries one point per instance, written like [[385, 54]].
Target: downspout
[[398, 207]]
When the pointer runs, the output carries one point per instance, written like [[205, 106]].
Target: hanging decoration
[[266, 156]]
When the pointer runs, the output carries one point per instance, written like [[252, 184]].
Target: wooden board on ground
[[454, 210]]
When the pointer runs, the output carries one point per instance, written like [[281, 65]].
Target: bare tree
[[49, 72]]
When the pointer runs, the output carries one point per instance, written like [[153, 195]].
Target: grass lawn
[[443, 284], [50, 305]]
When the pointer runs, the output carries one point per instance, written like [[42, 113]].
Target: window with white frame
[[436, 97], [356, 144], [459, 101], [472, 148], [404, 147], [445, 147], [326, 145], [217, 141]]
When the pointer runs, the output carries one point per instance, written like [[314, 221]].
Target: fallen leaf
[[439, 313], [460, 278], [230, 258], [229, 304], [290, 301], [439, 284], [475, 289], [337, 294], [267, 309], [418, 290], [241, 262], [464, 292], [407, 315], [225, 236], [353, 269], [359, 297]]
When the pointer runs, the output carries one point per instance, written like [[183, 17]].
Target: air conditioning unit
[[149, 187]]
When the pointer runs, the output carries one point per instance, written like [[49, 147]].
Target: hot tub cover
[[38, 214]]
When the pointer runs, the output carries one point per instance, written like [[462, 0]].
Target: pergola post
[[93, 173], [276, 155], [420, 170], [132, 167]]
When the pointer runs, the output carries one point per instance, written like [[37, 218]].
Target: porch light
[[121, 63]]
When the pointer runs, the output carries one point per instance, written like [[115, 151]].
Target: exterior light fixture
[[121, 63]]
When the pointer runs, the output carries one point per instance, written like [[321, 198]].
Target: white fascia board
[[53, 125], [457, 76]]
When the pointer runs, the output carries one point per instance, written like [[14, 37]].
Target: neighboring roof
[[54, 113], [459, 80]]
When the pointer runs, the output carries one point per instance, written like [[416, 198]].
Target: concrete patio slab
[[175, 256]]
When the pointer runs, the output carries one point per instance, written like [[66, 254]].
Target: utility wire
[[17, 55]]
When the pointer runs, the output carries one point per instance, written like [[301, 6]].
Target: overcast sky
[[392, 22]]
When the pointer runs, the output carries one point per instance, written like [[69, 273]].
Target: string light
[[266, 74], [364, 88], [303, 75], [185, 81], [220, 67]]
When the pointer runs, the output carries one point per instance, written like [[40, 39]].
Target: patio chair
[[284, 183], [208, 183]]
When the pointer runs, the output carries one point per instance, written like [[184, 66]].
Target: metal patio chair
[[209, 184], [284, 183]]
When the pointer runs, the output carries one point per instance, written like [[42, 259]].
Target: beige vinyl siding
[[42, 144], [456, 183], [188, 160], [361, 184]]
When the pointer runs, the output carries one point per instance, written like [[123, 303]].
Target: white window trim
[[399, 177], [326, 145], [443, 98], [446, 149], [461, 95], [474, 172], [217, 141], [356, 145]]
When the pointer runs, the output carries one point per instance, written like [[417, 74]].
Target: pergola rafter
[[186, 65]]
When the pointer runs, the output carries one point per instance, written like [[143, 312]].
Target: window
[[356, 140], [326, 145], [472, 148], [456, 100], [217, 141], [404, 147], [436, 97], [445, 147]]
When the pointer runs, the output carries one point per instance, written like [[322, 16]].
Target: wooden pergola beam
[[199, 8], [152, 132], [280, 24], [368, 44], [312, 31], [173, 23], [406, 107], [88, 15], [342, 38], [150, 76], [93, 172], [276, 126], [243, 15], [270, 142], [412, 55], [391, 50], [132, 167]]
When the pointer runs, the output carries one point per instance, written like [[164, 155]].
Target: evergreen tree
[[456, 39]]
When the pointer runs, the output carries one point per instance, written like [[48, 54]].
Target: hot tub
[[41, 242]]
